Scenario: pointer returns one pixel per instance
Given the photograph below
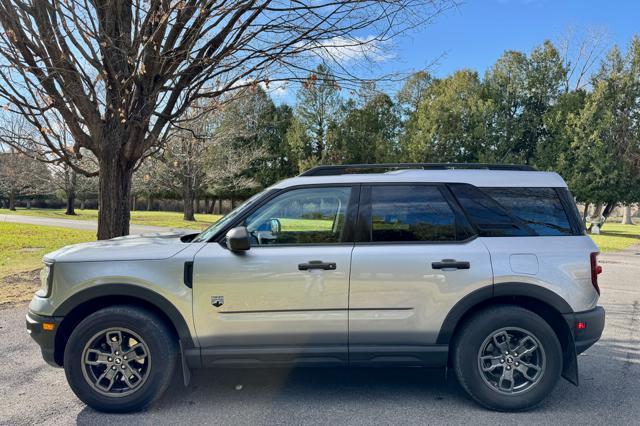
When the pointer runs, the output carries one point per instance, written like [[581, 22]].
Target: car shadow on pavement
[[223, 392], [365, 396]]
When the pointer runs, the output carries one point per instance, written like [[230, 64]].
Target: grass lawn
[[21, 249], [168, 219], [615, 236]]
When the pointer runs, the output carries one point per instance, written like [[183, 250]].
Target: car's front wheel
[[507, 358], [120, 359]]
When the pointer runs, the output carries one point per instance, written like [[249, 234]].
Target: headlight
[[46, 279]]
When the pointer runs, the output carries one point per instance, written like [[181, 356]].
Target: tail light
[[595, 271]]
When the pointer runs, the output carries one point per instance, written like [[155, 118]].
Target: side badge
[[217, 301]]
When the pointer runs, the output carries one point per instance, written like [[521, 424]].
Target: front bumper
[[43, 337], [587, 327]]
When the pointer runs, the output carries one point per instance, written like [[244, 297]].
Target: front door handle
[[450, 264], [317, 264]]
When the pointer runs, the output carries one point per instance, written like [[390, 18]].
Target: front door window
[[301, 216]]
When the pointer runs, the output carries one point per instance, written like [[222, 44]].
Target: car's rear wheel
[[507, 358], [120, 359]]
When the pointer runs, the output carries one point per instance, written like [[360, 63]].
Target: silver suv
[[485, 269]]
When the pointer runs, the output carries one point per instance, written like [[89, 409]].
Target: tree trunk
[[207, 201], [71, 200], [28, 203], [188, 208], [12, 200], [608, 209], [149, 203], [188, 197], [81, 204], [626, 216], [134, 203], [597, 211], [71, 195], [585, 213], [115, 189]]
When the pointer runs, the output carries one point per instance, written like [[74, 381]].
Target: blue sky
[[476, 33]]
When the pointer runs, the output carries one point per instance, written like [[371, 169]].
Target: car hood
[[153, 246]]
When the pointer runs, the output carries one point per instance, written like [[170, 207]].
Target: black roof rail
[[355, 168]]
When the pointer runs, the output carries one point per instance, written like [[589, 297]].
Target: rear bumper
[[45, 338], [593, 321]]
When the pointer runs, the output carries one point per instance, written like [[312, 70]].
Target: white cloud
[[350, 49], [277, 89]]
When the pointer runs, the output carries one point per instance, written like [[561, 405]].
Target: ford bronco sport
[[485, 269]]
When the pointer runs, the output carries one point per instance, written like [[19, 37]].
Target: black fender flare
[[502, 290], [135, 292]]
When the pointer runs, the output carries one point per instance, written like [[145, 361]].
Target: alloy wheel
[[116, 362], [511, 360]]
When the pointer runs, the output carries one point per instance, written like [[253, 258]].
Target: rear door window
[[411, 213]]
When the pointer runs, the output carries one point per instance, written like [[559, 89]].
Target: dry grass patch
[[19, 288]]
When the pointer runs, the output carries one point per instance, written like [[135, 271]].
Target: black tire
[[155, 375], [475, 338]]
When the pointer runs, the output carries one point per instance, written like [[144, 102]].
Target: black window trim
[[357, 223], [350, 217], [363, 225], [515, 219], [571, 210]]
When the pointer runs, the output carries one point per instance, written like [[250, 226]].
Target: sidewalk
[[86, 225]]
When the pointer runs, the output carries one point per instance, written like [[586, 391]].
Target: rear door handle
[[450, 264], [317, 264]]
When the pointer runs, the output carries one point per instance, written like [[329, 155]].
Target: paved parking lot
[[33, 393]]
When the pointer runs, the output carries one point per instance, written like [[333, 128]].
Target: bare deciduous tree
[[72, 184], [22, 176], [580, 53], [119, 72], [228, 162], [203, 155], [185, 161]]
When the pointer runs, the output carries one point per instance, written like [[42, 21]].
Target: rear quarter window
[[514, 211], [540, 209]]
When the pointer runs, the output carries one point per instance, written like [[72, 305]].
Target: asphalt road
[[86, 225], [33, 393]]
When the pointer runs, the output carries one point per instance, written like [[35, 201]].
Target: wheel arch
[[547, 304], [80, 305]]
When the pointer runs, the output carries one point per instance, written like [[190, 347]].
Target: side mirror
[[238, 239], [275, 227]]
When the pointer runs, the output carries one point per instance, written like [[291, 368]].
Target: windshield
[[220, 224]]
